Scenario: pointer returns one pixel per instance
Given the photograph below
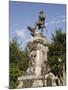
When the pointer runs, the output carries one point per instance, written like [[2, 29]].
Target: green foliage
[[14, 73], [57, 49], [18, 63], [19, 59]]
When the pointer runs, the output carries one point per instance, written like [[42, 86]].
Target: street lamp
[[59, 60], [63, 70]]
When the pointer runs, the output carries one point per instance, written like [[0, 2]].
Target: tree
[[57, 51], [18, 63]]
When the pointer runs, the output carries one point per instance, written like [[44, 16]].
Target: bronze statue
[[41, 21], [40, 24]]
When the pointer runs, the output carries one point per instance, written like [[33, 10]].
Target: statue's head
[[42, 15], [41, 12]]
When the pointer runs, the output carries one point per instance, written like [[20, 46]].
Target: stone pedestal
[[38, 68], [40, 50]]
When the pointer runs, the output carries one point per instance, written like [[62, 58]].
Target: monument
[[38, 72]]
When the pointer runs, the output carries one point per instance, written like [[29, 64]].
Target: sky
[[22, 14]]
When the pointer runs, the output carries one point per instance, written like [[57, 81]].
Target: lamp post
[[63, 65]]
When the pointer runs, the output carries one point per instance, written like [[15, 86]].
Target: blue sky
[[22, 14]]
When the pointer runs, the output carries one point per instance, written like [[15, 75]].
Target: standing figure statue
[[41, 21]]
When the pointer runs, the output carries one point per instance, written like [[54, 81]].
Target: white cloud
[[60, 21], [23, 34], [52, 22], [55, 21], [46, 23], [19, 33]]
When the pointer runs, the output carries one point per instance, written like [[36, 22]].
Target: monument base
[[30, 81]]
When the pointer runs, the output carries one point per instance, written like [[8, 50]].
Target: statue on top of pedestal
[[40, 24]]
